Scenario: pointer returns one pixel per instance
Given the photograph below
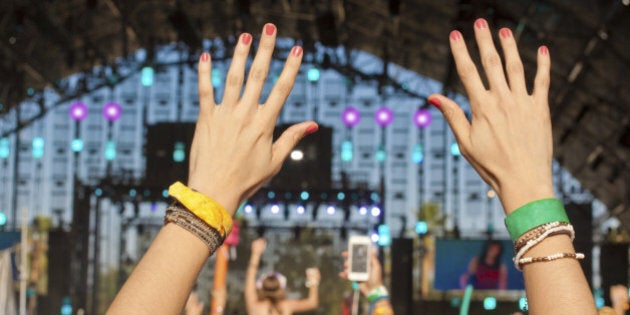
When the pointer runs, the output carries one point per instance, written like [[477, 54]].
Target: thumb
[[454, 116], [288, 140]]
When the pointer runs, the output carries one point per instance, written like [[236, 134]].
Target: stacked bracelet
[[182, 217], [204, 207], [537, 232], [377, 294], [549, 229]]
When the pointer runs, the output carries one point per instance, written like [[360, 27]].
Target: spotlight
[[489, 303], [304, 195], [421, 228], [350, 117], [422, 118], [341, 196], [300, 209], [375, 211], [297, 155], [455, 149], [384, 116], [331, 210], [76, 145], [112, 111], [363, 210], [374, 237], [78, 111], [313, 74], [275, 209], [248, 209]]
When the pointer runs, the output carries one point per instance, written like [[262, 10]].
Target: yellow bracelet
[[204, 207]]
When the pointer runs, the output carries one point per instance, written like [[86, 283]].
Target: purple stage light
[[350, 117], [78, 111], [422, 118], [384, 116], [112, 111]]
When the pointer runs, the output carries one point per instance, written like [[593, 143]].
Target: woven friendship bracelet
[[188, 221], [530, 260], [204, 207], [562, 229], [534, 214]]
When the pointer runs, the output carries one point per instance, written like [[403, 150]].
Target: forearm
[[313, 295], [559, 286], [162, 280]]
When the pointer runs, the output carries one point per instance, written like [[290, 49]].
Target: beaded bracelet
[[535, 233], [185, 219], [568, 230], [204, 207], [531, 260], [534, 214]]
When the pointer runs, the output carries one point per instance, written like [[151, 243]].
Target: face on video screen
[[359, 258]]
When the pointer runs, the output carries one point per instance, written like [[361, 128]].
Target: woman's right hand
[[259, 246]]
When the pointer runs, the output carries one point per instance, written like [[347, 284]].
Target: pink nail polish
[[205, 57], [455, 35], [544, 50], [312, 129], [435, 102], [296, 51], [481, 24], [505, 32], [269, 29], [246, 38]]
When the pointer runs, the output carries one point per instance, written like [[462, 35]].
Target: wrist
[[515, 196]]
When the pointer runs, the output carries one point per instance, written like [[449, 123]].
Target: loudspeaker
[[581, 217], [164, 140], [311, 170], [401, 276], [613, 266], [59, 261]]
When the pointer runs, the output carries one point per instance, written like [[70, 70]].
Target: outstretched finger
[[454, 116], [206, 94], [489, 56], [236, 73], [541, 82], [288, 140], [513, 63], [260, 67], [466, 68], [285, 82]]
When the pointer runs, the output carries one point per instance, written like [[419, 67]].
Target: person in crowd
[[267, 295], [508, 141], [373, 288], [486, 272]]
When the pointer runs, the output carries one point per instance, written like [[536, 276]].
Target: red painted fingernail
[[544, 50], [505, 32], [296, 51], [269, 29], [456, 35], [435, 102], [205, 56], [481, 24], [312, 129], [246, 38]]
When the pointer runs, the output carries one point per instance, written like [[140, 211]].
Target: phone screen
[[360, 256]]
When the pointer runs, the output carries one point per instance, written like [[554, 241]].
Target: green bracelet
[[534, 214]]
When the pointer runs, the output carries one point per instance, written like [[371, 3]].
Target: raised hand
[[232, 153], [509, 139], [258, 246]]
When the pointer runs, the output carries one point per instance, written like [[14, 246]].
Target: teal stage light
[[422, 227], [522, 304], [76, 145], [313, 74], [216, 77], [3, 219], [347, 153], [304, 195], [179, 152], [38, 147], [384, 237], [147, 76], [110, 150], [416, 154], [5, 151], [489, 303], [455, 149]]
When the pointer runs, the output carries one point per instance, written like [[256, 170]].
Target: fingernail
[[481, 24], [246, 38], [505, 32], [312, 129], [269, 29], [435, 102], [456, 35], [296, 51], [544, 50], [205, 56]]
